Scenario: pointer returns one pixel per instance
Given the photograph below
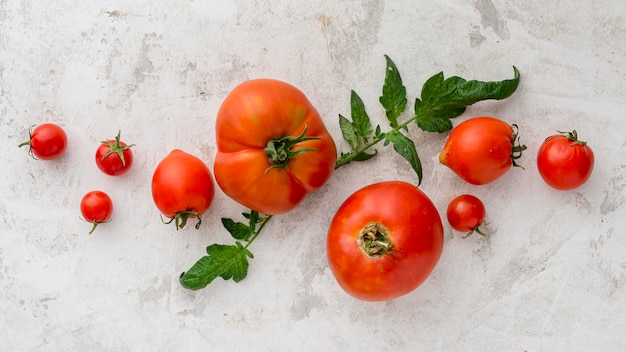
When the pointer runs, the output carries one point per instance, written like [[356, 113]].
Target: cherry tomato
[[481, 149], [384, 241], [96, 208], [466, 213], [47, 142], [182, 187], [272, 146], [114, 157], [564, 162]]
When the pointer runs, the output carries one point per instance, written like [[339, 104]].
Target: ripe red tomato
[[96, 208], [47, 141], [481, 149], [466, 213], [272, 146], [384, 241], [114, 157], [564, 162], [182, 187]]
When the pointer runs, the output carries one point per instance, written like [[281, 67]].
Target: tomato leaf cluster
[[441, 99], [226, 261]]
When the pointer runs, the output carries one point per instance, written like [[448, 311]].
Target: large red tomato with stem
[[272, 146], [482, 149], [96, 207], [565, 162], [114, 157], [47, 141], [182, 187], [384, 241]]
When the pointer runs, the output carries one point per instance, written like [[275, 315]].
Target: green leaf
[[362, 156], [349, 132], [443, 99], [238, 230], [360, 119], [405, 147], [225, 261], [394, 93]]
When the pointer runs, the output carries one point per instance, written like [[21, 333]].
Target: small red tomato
[[481, 149], [47, 141], [384, 241], [96, 208], [564, 162], [182, 187], [114, 157], [466, 213]]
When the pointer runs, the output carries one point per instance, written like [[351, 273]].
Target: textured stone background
[[550, 277]]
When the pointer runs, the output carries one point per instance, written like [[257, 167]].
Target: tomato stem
[[256, 233], [374, 240], [278, 150], [116, 147]]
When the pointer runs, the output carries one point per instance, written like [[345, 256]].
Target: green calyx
[[180, 219], [573, 137], [116, 147], [518, 148], [374, 240], [279, 150]]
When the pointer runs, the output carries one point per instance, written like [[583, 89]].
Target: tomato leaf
[[393, 98], [443, 99], [238, 230], [360, 119], [406, 148], [349, 132], [225, 261]]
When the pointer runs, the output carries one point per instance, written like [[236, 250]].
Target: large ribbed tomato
[[384, 241], [272, 146]]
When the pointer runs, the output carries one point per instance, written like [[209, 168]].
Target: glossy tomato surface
[[254, 115], [466, 213], [96, 207], [384, 241], [481, 149], [182, 183], [564, 162], [47, 141], [114, 157]]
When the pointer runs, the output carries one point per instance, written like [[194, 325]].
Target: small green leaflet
[[443, 99], [394, 93], [358, 131], [225, 261], [406, 148]]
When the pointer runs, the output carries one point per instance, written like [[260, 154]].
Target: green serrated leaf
[[238, 230], [362, 156], [225, 261], [360, 119], [349, 132], [393, 98], [406, 148], [443, 99]]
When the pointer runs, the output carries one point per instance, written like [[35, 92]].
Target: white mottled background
[[550, 277]]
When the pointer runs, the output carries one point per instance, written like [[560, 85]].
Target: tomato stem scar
[[374, 240]]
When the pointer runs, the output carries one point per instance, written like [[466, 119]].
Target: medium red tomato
[[182, 187], [96, 208], [114, 157], [384, 241], [481, 149], [272, 146], [47, 141], [466, 213], [564, 162]]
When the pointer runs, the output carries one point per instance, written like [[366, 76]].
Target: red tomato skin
[[112, 164], [96, 207], [465, 213], [48, 141], [182, 182], [416, 232], [563, 164], [479, 150], [254, 113]]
